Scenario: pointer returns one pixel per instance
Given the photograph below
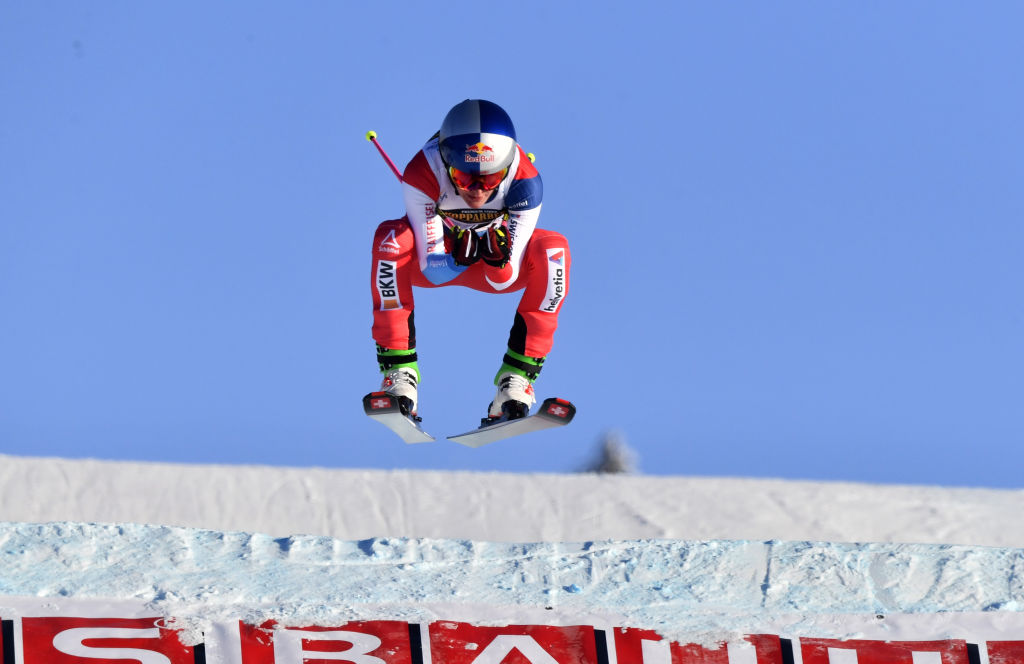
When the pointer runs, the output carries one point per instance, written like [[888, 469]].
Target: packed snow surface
[[677, 587], [687, 588]]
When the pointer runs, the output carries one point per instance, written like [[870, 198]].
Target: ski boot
[[401, 377], [513, 400], [401, 383]]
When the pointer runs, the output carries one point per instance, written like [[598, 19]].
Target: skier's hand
[[463, 245], [494, 247]]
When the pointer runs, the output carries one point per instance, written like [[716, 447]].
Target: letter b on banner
[[288, 647], [373, 642]]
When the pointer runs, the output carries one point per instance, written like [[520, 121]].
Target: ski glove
[[494, 248], [463, 245], [467, 247]]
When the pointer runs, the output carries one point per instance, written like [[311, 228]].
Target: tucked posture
[[472, 200]]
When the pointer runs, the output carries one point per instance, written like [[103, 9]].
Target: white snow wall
[[72, 592]]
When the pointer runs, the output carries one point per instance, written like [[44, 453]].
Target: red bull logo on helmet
[[479, 153]]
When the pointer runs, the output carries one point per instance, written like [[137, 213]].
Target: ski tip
[[558, 410], [380, 402], [377, 403]]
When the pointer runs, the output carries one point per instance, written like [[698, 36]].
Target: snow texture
[[496, 507], [633, 572]]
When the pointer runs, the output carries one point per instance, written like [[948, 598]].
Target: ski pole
[[372, 137]]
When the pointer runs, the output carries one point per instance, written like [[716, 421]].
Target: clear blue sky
[[796, 228]]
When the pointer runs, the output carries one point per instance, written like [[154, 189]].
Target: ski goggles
[[483, 181]]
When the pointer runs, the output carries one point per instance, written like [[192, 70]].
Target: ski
[[385, 408], [552, 413]]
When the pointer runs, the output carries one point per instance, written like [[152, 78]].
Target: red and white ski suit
[[411, 251]]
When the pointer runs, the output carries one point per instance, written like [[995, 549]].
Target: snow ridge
[[501, 507]]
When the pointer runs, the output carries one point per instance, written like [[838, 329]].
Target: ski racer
[[472, 200]]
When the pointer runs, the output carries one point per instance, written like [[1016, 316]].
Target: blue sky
[[796, 231]]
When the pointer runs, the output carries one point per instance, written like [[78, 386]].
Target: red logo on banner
[[831, 651], [378, 642], [109, 640], [461, 643]]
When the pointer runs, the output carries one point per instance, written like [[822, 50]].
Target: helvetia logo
[[556, 280], [387, 285]]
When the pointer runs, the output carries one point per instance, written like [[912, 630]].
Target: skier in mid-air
[[472, 199]]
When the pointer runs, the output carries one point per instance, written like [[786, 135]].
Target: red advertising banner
[[376, 642], [833, 651], [641, 646], [101, 640], [147, 640], [1006, 652], [462, 643]]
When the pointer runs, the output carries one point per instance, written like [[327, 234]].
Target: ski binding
[[553, 412], [386, 409]]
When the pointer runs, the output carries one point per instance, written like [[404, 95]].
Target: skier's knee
[[550, 245]]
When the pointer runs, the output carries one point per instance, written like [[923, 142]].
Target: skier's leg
[[394, 328], [545, 270], [546, 266]]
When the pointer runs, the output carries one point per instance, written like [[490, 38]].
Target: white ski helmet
[[477, 136]]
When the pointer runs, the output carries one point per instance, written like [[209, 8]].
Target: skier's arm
[[420, 191], [523, 202]]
